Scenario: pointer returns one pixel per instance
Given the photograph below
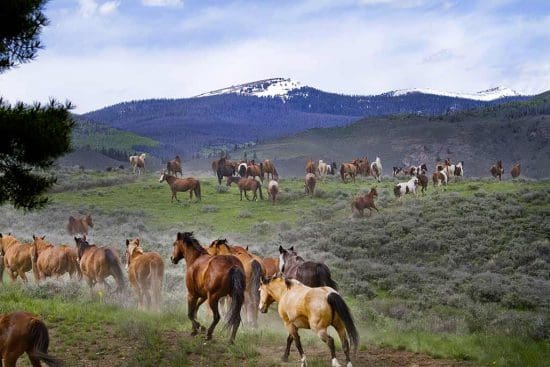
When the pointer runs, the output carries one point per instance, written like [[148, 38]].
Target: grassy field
[[460, 274]]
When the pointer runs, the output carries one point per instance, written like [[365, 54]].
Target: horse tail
[[260, 189], [342, 172], [237, 279], [34, 261], [156, 284], [255, 282], [114, 265], [198, 190], [325, 278], [40, 341], [1, 267], [340, 307], [262, 170]]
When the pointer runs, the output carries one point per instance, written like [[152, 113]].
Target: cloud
[[172, 3], [90, 8], [109, 7]]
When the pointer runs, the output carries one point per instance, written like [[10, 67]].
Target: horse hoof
[[284, 358]]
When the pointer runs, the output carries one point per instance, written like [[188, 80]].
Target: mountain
[[485, 95], [513, 132], [266, 109]]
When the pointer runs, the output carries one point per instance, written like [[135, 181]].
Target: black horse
[[333, 168], [312, 274], [225, 170]]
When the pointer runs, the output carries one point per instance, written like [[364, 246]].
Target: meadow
[[461, 274]]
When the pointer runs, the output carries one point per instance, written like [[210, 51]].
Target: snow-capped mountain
[[485, 95], [274, 87]]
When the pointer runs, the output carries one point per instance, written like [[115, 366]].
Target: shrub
[[246, 213], [210, 208], [222, 189]]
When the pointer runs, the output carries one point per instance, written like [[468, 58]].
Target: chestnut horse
[[363, 202], [423, 181], [348, 169], [255, 170], [146, 274], [49, 260], [210, 278], [310, 166], [97, 263], [303, 307], [271, 266], [309, 184], [79, 225], [245, 185], [516, 170], [253, 270], [16, 257], [310, 273], [497, 170], [174, 166], [23, 332], [182, 185], [268, 168]]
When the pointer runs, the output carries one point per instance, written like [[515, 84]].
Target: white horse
[[138, 161], [322, 168], [403, 188], [376, 169]]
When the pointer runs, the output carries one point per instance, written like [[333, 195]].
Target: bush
[[246, 213], [222, 189], [210, 209]]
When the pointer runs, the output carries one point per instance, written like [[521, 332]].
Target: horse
[[376, 169], [79, 226], [254, 170], [348, 169], [309, 184], [333, 168], [423, 181], [242, 169], [310, 273], [97, 263], [49, 260], [362, 165], [458, 169], [210, 278], [303, 307], [245, 185], [271, 265], [497, 170], [322, 168], [145, 273], [403, 188], [516, 170], [273, 190], [174, 166], [440, 166], [363, 202], [269, 167], [253, 270], [416, 170], [182, 184], [439, 178], [138, 162], [23, 332], [224, 169], [16, 257], [310, 166], [397, 171]]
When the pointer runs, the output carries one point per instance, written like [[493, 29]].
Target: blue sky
[[100, 52]]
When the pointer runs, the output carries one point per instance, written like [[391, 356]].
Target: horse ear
[[75, 239], [246, 248], [33, 237], [179, 236], [281, 249], [292, 248], [127, 242], [263, 280], [43, 236], [1, 235]]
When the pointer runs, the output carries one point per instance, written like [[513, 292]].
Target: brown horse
[[363, 166], [253, 270], [182, 184], [79, 226], [273, 191], [97, 263], [245, 185], [271, 266], [255, 170], [303, 307], [309, 184], [146, 274], [516, 170], [439, 178], [49, 260], [363, 202], [440, 166], [310, 167], [497, 170], [423, 181], [210, 278], [23, 332], [348, 169], [269, 167], [310, 273], [174, 166], [16, 257]]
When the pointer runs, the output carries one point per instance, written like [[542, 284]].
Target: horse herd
[[220, 273]]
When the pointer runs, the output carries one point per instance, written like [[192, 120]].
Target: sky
[[101, 52]]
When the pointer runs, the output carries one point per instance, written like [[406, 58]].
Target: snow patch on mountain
[[485, 95], [275, 87]]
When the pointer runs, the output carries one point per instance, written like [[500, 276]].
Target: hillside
[[513, 132], [264, 110]]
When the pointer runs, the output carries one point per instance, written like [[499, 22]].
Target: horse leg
[[289, 340], [11, 359], [35, 362], [329, 340], [23, 275], [241, 195], [293, 330], [246, 195], [340, 328], [213, 303], [192, 313]]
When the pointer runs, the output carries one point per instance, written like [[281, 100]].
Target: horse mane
[[188, 238]]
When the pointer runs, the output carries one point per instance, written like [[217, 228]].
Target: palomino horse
[[348, 169], [303, 307], [97, 263], [310, 166], [253, 270], [269, 168], [516, 170], [310, 273], [79, 226], [376, 169], [403, 188], [190, 184], [497, 170], [273, 190], [146, 274], [49, 260], [245, 185], [210, 278], [255, 170], [138, 162], [309, 184], [16, 256], [363, 202], [23, 332], [173, 167]]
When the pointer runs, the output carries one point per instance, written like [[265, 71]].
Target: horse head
[[89, 220], [162, 176], [131, 247], [269, 292], [81, 245]]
